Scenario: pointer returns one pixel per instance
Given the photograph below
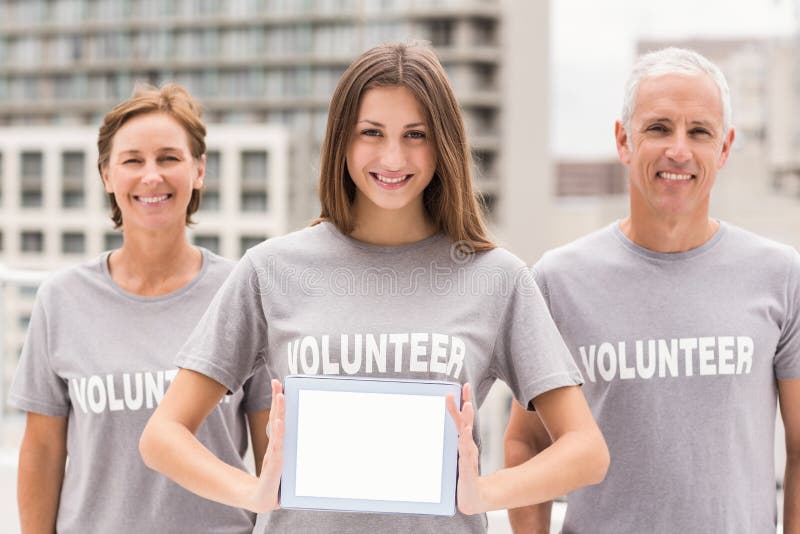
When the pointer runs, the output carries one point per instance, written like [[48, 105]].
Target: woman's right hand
[[264, 497]]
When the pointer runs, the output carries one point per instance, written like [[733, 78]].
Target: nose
[[678, 149], [151, 174], [393, 157]]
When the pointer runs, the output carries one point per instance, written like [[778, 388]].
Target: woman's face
[[391, 157], [152, 172]]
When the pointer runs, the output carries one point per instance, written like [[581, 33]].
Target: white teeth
[[153, 200], [387, 180], [672, 176]]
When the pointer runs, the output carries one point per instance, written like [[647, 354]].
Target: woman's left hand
[[469, 496]]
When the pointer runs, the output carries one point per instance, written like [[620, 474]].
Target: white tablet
[[369, 445]]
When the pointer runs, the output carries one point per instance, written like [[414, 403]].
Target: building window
[[254, 166], [249, 241], [254, 201], [489, 202], [481, 121], [484, 32], [27, 291], [73, 165], [112, 240], [73, 243], [211, 189], [254, 180], [590, 178], [32, 241], [484, 77], [486, 162], [210, 242], [32, 174], [440, 33]]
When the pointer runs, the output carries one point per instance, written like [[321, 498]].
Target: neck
[[153, 263], [378, 226], [669, 234]]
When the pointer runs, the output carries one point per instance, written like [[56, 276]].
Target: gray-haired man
[[687, 330]]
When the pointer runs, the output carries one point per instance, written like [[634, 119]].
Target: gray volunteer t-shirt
[[680, 353], [319, 302], [103, 358]]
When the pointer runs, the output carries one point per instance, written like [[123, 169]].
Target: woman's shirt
[[103, 358], [318, 302]]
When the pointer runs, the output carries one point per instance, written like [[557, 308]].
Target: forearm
[[533, 519], [574, 460], [39, 480], [791, 495], [172, 450]]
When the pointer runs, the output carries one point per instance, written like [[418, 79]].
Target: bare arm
[[257, 421], [789, 394], [525, 437], [577, 457], [42, 458], [169, 446]]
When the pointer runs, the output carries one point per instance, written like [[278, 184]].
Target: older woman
[[103, 336]]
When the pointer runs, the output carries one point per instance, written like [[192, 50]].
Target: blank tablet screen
[[339, 456], [374, 445]]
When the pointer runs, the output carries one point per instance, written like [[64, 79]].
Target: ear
[[106, 182], [200, 176], [727, 143], [621, 137]]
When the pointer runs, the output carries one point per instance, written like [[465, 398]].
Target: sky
[[593, 45]]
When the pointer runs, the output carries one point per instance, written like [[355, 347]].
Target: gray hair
[[674, 60]]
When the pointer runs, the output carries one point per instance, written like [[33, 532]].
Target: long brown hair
[[449, 198], [171, 99]]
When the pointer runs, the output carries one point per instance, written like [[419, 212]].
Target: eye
[[416, 134], [699, 131], [371, 132], [659, 128], [170, 158], [130, 161]]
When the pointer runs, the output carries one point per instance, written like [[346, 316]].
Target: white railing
[[9, 278]]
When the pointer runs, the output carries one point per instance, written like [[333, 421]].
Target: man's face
[[675, 147]]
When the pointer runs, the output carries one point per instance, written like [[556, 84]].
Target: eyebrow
[[704, 124], [378, 124], [163, 149]]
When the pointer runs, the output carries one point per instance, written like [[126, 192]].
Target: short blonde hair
[[171, 99]]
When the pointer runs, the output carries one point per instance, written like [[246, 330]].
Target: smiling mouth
[[675, 177], [390, 180], [152, 199]]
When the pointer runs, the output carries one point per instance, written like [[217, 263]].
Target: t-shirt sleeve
[[231, 337], [257, 391], [37, 387], [787, 353], [540, 277], [529, 354]]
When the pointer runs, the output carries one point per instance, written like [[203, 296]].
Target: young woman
[[396, 279], [103, 336]]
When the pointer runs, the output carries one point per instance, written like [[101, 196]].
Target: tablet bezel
[[290, 500]]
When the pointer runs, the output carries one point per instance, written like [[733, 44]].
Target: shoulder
[[73, 279], [499, 268], [575, 254], [497, 258], [217, 268], [767, 254], [310, 240]]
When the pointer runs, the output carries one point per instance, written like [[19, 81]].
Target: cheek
[[426, 159], [358, 157], [350, 164]]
